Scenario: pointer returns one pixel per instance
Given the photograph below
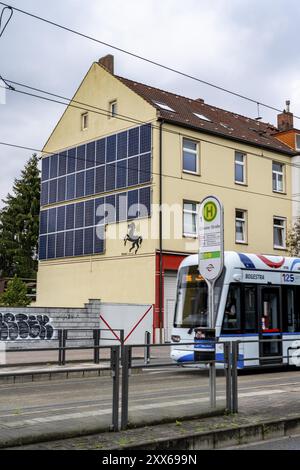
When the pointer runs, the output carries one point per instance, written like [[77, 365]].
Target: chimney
[[107, 62], [285, 120]]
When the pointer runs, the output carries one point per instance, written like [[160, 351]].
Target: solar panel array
[[106, 165], [112, 163]]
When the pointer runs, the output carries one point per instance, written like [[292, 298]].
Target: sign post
[[211, 262]]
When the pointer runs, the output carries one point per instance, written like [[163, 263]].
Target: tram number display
[[289, 278]]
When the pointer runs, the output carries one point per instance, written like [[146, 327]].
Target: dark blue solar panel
[[52, 191], [53, 166], [70, 216], [43, 247], [62, 165], [100, 152], [80, 158], [90, 155], [99, 210], [70, 192], [133, 206], [133, 141], [69, 243], [61, 214], [110, 209], [110, 177], [89, 241], [78, 245], [89, 212], [144, 200], [45, 193], [111, 148], [79, 215], [45, 168], [51, 246], [145, 168], [43, 221], [60, 245], [89, 182], [145, 138], [121, 205], [52, 220], [99, 235], [71, 160], [121, 174], [122, 145], [61, 188], [80, 184], [133, 167], [100, 182]]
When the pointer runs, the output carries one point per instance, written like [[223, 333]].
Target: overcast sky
[[249, 46]]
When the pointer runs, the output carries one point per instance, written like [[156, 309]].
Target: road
[[36, 408]]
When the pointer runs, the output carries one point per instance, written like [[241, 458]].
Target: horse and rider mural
[[136, 240]]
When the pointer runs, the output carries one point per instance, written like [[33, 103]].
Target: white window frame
[[296, 146], [244, 221], [113, 109], [193, 152], [277, 173], [282, 227], [84, 121], [243, 164], [192, 212]]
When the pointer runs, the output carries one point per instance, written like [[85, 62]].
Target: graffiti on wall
[[15, 326]]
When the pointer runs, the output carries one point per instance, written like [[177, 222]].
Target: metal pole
[[235, 354], [115, 372], [122, 345], [59, 336], [64, 342], [125, 386], [227, 365], [212, 365], [96, 335], [147, 347], [212, 384]]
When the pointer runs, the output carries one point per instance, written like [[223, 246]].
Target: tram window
[[232, 314], [250, 309], [291, 309]]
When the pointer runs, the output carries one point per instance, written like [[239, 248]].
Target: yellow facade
[[119, 276]]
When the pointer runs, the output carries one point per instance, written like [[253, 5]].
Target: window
[[84, 121], [240, 168], [164, 106], [240, 226], [190, 211], [279, 229], [277, 176], [232, 315], [200, 116], [113, 109], [297, 141], [190, 156]]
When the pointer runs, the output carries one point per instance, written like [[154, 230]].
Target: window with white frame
[[279, 232], [240, 226], [240, 168], [84, 121], [190, 159], [113, 109], [190, 211], [278, 177], [297, 141]]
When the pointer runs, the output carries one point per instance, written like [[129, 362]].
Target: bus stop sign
[[211, 238]]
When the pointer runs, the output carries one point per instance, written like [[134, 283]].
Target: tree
[[15, 294], [19, 224], [293, 239]]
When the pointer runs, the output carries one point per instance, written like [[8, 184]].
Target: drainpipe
[[160, 235]]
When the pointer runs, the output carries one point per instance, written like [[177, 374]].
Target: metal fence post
[[227, 364], [64, 342], [147, 347], [125, 385], [115, 372], [96, 336], [122, 345], [235, 355], [60, 343], [212, 384]]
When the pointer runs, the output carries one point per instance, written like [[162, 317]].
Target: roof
[[214, 120]]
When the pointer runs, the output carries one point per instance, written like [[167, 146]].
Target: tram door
[[270, 326]]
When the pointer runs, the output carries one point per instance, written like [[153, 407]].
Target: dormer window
[[200, 116], [164, 106]]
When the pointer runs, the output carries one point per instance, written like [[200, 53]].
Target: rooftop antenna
[[258, 118]]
